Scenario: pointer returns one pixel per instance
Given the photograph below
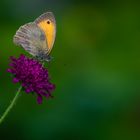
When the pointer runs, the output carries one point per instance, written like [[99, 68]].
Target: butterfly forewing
[[48, 24]]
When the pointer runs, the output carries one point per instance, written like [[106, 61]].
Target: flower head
[[32, 76]]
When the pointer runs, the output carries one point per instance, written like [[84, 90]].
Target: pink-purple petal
[[32, 76]]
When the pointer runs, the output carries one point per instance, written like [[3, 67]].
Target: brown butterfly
[[38, 37]]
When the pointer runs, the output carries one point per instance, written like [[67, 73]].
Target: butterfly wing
[[47, 23], [32, 39]]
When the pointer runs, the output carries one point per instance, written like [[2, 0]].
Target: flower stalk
[[11, 105]]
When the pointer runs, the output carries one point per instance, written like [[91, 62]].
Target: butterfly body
[[38, 37]]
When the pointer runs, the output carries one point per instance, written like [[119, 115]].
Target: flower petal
[[32, 76]]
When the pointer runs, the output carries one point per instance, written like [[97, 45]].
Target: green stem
[[10, 106]]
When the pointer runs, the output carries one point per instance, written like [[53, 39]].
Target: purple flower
[[32, 76]]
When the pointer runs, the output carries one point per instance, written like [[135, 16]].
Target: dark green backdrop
[[96, 69]]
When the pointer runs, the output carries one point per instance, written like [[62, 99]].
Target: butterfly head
[[41, 56]]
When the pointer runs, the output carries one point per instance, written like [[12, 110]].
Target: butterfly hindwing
[[32, 39]]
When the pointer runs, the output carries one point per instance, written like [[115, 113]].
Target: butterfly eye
[[48, 22]]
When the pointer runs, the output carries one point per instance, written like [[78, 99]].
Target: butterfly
[[38, 37]]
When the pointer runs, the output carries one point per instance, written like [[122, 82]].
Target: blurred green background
[[96, 69]]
